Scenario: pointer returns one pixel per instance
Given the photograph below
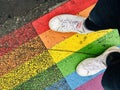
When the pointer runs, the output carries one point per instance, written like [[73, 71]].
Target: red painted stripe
[[16, 38], [71, 7]]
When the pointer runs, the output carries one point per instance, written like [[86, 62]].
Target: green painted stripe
[[68, 65], [41, 80]]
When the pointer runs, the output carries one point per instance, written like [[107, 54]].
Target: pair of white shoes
[[72, 23]]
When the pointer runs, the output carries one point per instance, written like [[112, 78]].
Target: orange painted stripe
[[85, 13], [50, 38], [23, 53]]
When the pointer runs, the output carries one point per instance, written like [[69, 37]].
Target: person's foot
[[92, 66], [68, 23]]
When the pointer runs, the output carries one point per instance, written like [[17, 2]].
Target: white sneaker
[[92, 66], [68, 23]]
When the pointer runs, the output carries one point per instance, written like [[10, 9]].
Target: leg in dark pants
[[111, 77], [105, 15]]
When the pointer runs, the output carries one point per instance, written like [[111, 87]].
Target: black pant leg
[[105, 14], [111, 77]]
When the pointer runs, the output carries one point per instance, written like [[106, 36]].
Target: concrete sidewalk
[[15, 13]]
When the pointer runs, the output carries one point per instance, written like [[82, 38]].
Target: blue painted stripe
[[74, 80]]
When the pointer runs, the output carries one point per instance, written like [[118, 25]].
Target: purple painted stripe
[[94, 84]]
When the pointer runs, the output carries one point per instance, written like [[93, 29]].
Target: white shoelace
[[74, 26]]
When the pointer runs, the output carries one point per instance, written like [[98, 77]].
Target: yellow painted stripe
[[74, 43], [26, 71]]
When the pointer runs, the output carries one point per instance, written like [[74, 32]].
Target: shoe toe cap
[[54, 24], [81, 71]]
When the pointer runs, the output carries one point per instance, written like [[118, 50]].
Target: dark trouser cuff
[[113, 59], [92, 26]]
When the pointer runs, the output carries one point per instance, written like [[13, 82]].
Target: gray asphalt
[[16, 13]]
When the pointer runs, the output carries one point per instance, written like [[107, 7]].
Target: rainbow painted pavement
[[40, 59]]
